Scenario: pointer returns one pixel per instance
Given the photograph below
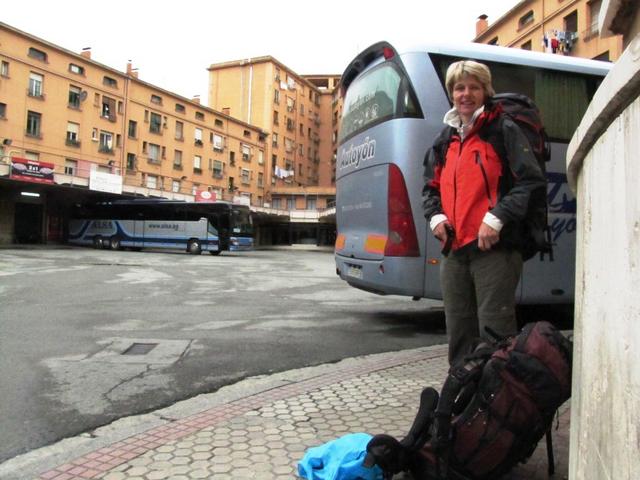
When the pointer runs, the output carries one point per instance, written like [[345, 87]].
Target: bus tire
[[193, 247], [97, 241], [216, 252], [115, 243]]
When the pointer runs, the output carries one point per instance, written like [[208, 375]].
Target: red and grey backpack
[[524, 112], [494, 408]]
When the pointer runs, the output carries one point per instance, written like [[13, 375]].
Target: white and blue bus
[[156, 223], [394, 103]]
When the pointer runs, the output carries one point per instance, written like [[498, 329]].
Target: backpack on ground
[[524, 112], [494, 408]]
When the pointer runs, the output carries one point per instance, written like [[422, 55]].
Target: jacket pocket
[[485, 178]]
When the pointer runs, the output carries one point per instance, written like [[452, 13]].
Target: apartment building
[[72, 129], [300, 113], [560, 27]]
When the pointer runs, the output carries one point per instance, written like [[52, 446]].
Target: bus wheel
[[97, 241], [217, 252], [115, 243], [193, 247]]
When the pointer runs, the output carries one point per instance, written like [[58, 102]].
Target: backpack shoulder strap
[[441, 144]]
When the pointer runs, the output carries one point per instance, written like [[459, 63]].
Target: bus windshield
[[380, 95], [242, 222]]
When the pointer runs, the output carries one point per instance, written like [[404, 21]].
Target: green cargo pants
[[478, 289]]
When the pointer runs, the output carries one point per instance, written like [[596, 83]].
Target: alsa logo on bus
[[355, 154]]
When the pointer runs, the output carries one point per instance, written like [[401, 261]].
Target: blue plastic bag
[[339, 459]]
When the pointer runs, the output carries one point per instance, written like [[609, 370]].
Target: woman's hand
[[440, 232], [487, 237]]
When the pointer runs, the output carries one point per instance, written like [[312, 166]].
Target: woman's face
[[468, 96]]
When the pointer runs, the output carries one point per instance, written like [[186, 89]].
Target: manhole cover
[[139, 348]]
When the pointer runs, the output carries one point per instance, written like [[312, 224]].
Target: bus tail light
[[402, 239]]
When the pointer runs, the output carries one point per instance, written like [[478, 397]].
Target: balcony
[[70, 142]]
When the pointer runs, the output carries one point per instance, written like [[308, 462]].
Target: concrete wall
[[604, 169]]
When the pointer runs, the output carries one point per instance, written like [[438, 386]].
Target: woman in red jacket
[[474, 202]]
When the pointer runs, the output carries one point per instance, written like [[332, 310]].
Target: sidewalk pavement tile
[[264, 435]]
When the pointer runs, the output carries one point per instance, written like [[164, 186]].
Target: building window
[[217, 169], [260, 157], [197, 163], [3, 110], [246, 153], [493, 41], [70, 166], [4, 69], [218, 143], [179, 131], [526, 45], [594, 13], [34, 120], [131, 161], [276, 96], [274, 140], [571, 22], [277, 203], [152, 181], [110, 82], [232, 158], [74, 97], [37, 54], [180, 108], [219, 123], [260, 180], [73, 134], [291, 203], [246, 176], [247, 134], [35, 84], [291, 104], [154, 153], [156, 99], [177, 158], [526, 19], [198, 136], [311, 203], [106, 142], [155, 123], [108, 108], [133, 129], [77, 69], [175, 186], [276, 120], [200, 116]]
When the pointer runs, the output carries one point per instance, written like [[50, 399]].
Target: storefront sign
[[105, 182], [205, 196], [31, 170]]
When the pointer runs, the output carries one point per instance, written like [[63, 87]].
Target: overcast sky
[[172, 44]]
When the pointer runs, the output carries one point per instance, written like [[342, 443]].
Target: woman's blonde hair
[[464, 68]]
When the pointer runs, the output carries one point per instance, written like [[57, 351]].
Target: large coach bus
[[394, 103], [146, 223]]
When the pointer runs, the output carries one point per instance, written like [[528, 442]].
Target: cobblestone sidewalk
[[263, 435]]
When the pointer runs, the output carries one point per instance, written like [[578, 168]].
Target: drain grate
[[139, 348]]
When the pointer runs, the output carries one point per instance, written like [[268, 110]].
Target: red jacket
[[466, 180]]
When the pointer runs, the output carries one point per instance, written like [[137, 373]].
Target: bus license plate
[[355, 272]]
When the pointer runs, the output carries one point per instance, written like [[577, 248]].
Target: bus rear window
[[379, 95], [562, 97]]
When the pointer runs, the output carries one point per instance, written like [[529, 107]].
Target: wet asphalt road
[[90, 336]]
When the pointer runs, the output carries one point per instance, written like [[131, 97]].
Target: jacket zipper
[[484, 176]]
